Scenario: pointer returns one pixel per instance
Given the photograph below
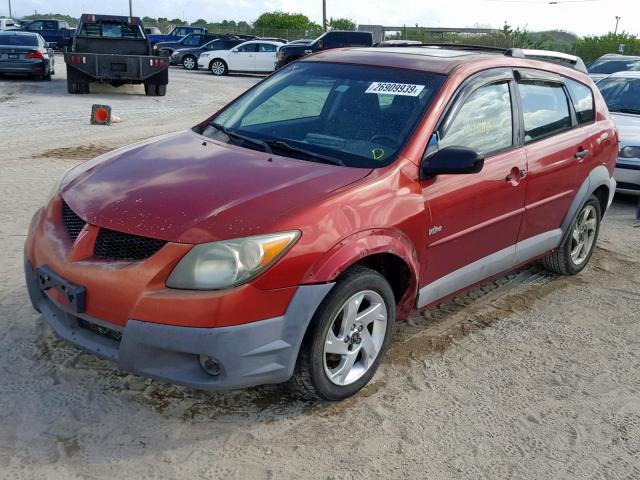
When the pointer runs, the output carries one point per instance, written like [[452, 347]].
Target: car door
[[266, 57], [558, 154], [243, 58], [475, 218]]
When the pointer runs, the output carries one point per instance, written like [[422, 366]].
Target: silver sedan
[[621, 91]]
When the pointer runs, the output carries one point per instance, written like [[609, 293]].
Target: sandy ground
[[531, 376]]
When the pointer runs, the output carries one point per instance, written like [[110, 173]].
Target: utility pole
[[130, 9], [615, 32], [10, 15], [324, 15]]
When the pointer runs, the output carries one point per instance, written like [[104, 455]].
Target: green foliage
[[342, 24], [282, 20], [590, 48], [72, 21]]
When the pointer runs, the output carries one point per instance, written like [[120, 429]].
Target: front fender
[[352, 249]]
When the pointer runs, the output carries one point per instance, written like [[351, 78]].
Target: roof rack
[[559, 58]]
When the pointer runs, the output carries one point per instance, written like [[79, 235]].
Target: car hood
[[188, 188], [628, 128]]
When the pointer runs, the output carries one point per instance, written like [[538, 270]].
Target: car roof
[[272, 42], [617, 56], [625, 74], [437, 60], [16, 32]]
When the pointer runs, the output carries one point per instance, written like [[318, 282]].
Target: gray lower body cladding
[[257, 353]]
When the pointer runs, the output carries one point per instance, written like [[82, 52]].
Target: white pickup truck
[[7, 23]]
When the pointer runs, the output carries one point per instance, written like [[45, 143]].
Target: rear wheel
[[161, 90], [189, 62], [348, 337], [574, 254], [218, 67], [150, 89]]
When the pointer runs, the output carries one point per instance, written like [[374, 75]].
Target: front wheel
[[189, 62], [348, 336], [218, 67], [575, 252]]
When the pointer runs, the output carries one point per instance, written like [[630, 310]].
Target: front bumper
[[627, 174], [203, 62], [257, 353]]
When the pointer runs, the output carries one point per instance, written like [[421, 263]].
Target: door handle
[[581, 153], [519, 174]]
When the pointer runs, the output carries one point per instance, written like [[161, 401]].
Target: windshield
[[360, 116], [613, 66], [621, 94]]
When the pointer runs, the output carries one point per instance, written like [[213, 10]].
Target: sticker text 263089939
[[383, 88]]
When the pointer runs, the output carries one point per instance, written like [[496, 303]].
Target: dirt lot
[[531, 376]]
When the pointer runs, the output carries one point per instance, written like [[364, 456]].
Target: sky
[[584, 17]]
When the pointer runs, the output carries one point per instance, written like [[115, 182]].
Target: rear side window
[[251, 47], [545, 109], [582, 98], [267, 47], [484, 123]]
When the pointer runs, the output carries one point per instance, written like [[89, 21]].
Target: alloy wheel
[[189, 63], [355, 338], [583, 234], [217, 68]]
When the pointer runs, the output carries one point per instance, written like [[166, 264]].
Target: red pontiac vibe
[[287, 233]]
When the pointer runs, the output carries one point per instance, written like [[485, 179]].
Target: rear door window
[[545, 109], [484, 123], [36, 26], [267, 47], [251, 47], [582, 98]]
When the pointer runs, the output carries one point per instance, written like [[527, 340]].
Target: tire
[[150, 89], [83, 87], [575, 252], [189, 62], [325, 374], [161, 90], [218, 67], [72, 87]]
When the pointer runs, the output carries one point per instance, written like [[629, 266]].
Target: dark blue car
[[25, 53]]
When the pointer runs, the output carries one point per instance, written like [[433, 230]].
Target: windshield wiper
[[231, 134], [318, 156], [635, 111]]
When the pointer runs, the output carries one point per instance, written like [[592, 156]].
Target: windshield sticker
[[377, 153], [406, 89]]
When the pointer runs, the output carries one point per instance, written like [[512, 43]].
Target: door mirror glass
[[452, 160]]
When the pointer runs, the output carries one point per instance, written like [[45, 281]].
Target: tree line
[[297, 25]]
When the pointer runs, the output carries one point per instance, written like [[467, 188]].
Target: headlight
[[229, 263], [630, 152]]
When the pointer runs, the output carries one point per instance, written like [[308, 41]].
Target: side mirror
[[451, 160], [235, 50], [320, 46]]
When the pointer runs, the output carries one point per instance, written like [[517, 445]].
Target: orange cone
[[100, 115]]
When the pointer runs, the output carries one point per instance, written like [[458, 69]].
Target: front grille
[[124, 246], [72, 222], [102, 331]]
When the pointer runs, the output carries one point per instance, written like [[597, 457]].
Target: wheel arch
[[600, 183], [387, 251], [220, 59]]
